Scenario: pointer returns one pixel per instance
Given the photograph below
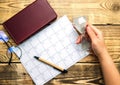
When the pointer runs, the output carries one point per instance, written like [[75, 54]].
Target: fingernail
[[88, 28]]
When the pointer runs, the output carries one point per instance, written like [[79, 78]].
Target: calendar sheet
[[55, 43]]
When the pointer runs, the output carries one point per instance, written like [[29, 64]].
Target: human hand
[[99, 48], [97, 40]]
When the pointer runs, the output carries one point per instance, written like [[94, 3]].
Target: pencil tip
[[36, 57]]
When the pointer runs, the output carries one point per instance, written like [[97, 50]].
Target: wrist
[[104, 56]]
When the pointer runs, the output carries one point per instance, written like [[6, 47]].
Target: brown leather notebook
[[30, 20]]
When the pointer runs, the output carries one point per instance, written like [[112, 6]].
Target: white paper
[[55, 43]]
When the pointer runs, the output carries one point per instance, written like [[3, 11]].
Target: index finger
[[91, 33]]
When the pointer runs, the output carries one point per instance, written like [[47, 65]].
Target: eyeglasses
[[10, 51]]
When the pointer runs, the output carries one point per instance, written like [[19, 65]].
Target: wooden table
[[104, 14]]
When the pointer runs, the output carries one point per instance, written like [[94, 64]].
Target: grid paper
[[55, 43]]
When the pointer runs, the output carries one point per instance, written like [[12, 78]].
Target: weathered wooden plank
[[97, 11], [8, 8], [78, 74], [14, 74], [81, 74], [112, 40]]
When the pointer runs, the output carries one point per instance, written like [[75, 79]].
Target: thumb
[[91, 33]]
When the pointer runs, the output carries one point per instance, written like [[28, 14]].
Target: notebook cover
[[28, 21]]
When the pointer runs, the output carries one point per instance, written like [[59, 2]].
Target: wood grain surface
[[104, 14]]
